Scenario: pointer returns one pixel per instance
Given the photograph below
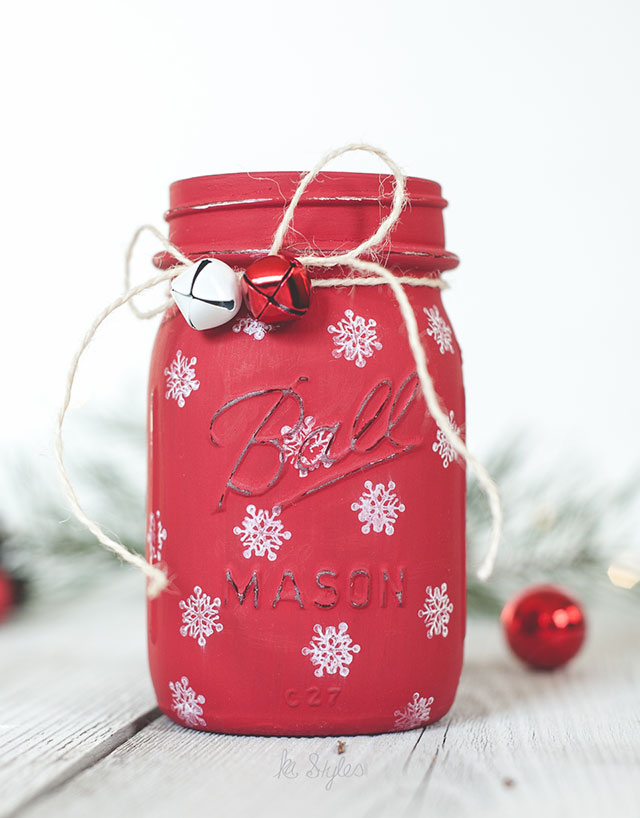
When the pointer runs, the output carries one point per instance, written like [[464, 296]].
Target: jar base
[[367, 726]]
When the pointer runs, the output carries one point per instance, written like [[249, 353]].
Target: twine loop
[[373, 274]]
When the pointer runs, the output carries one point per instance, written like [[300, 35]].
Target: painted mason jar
[[310, 513]]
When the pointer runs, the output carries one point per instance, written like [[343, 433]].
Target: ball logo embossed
[[276, 289], [207, 294]]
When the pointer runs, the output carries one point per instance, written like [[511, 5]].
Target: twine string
[[157, 576], [352, 259], [434, 405], [173, 271], [374, 274], [384, 228]]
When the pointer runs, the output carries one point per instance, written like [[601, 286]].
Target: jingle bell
[[276, 289], [207, 293]]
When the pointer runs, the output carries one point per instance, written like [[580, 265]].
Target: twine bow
[[373, 274]]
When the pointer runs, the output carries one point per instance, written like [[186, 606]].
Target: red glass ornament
[[544, 626], [7, 595], [276, 289]]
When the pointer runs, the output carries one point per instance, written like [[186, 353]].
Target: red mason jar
[[310, 513]]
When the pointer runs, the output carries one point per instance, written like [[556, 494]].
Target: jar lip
[[234, 216], [264, 188]]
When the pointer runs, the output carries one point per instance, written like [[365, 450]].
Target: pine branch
[[559, 529]]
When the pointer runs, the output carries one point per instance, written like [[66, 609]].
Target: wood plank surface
[[73, 685], [80, 736]]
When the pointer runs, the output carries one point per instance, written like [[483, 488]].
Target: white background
[[527, 114]]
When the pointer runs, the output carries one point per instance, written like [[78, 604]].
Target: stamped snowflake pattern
[[354, 338], [251, 326], [331, 650], [378, 507], [442, 445], [439, 330], [181, 378], [262, 532], [304, 448], [200, 616], [437, 610], [186, 703], [415, 714], [156, 535]]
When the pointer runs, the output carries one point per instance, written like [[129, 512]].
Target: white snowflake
[[262, 532], [439, 330], [354, 338], [181, 378], [200, 615], [437, 610], [156, 535], [442, 445], [186, 703], [251, 326], [379, 507], [331, 650], [415, 714], [304, 449]]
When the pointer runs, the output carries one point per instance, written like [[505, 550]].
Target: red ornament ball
[[276, 289], [7, 595], [544, 626]]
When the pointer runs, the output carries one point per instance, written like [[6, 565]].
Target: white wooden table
[[80, 734]]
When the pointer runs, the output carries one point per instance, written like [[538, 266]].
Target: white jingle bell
[[207, 293]]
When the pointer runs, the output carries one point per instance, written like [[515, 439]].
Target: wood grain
[[73, 686], [516, 742]]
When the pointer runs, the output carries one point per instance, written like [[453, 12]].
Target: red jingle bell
[[544, 626], [276, 289]]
